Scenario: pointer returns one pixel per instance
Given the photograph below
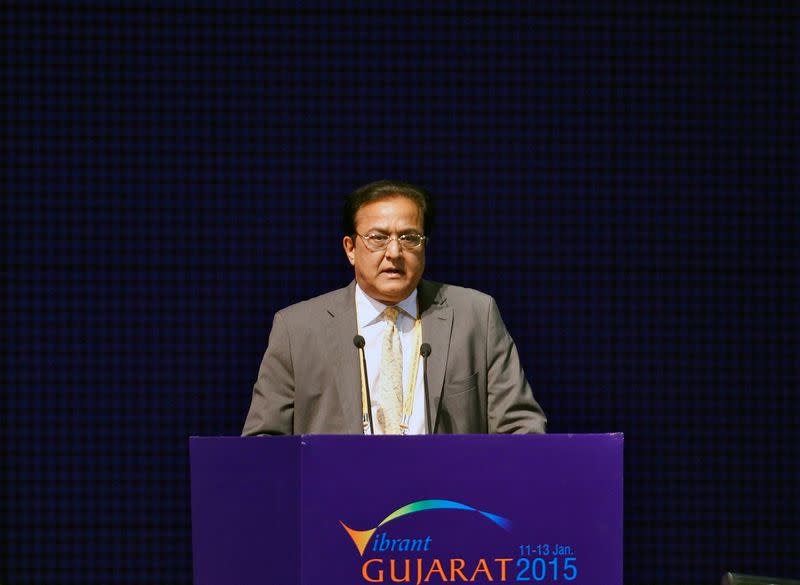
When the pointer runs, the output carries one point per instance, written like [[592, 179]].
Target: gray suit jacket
[[309, 380]]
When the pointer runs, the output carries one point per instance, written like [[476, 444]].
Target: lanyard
[[408, 396]]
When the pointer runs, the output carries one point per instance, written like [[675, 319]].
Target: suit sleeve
[[511, 405], [272, 406]]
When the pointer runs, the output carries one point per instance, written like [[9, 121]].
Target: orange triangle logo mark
[[360, 537]]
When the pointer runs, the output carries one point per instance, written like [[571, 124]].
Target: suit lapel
[[342, 311], [437, 324]]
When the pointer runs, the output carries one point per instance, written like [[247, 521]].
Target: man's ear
[[349, 249]]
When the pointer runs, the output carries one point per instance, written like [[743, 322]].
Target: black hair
[[382, 190]]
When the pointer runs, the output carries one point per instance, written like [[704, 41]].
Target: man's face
[[388, 275]]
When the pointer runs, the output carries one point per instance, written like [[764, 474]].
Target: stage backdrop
[[621, 178]]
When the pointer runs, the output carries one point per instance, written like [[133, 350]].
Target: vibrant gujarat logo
[[361, 538]]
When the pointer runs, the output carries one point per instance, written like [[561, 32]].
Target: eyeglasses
[[376, 242]]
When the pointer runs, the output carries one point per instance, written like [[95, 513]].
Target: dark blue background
[[620, 177]]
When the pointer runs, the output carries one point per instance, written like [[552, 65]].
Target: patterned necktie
[[390, 388]]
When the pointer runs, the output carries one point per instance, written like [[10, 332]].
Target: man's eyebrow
[[411, 230]]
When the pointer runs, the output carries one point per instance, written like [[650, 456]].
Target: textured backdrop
[[620, 177]]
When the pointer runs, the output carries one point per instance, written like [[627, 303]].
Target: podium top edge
[[560, 436]]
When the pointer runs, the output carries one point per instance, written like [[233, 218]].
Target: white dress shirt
[[372, 326]]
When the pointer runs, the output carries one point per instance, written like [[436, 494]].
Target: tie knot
[[391, 314]]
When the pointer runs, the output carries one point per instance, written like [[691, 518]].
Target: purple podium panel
[[428, 509], [245, 510]]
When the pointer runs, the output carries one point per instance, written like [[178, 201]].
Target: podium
[[354, 510]]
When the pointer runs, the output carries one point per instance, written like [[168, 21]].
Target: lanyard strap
[[408, 397]]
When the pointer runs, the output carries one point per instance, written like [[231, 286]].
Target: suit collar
[[430, 294]]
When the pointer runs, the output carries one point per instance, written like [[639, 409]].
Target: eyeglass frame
[[367, 237]]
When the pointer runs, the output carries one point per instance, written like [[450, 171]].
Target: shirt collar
[[369, 310]]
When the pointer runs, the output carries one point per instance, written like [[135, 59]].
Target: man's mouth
[[393, 271]]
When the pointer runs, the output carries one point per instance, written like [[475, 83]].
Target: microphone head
[[359, 342], [425, 349]]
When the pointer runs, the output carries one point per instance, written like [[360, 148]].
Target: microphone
[[425, 352], [359, 342]]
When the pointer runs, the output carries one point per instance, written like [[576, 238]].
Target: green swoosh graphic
[[362, 537]]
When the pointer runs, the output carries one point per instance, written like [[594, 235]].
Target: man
[[312, 380]]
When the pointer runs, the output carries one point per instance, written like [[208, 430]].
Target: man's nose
[[393, 250]]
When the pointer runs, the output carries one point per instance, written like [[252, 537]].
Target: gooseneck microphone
[[425, 352], [359, 342]]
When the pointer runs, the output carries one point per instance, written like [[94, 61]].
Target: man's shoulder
[[451, 293], [329, 300]]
